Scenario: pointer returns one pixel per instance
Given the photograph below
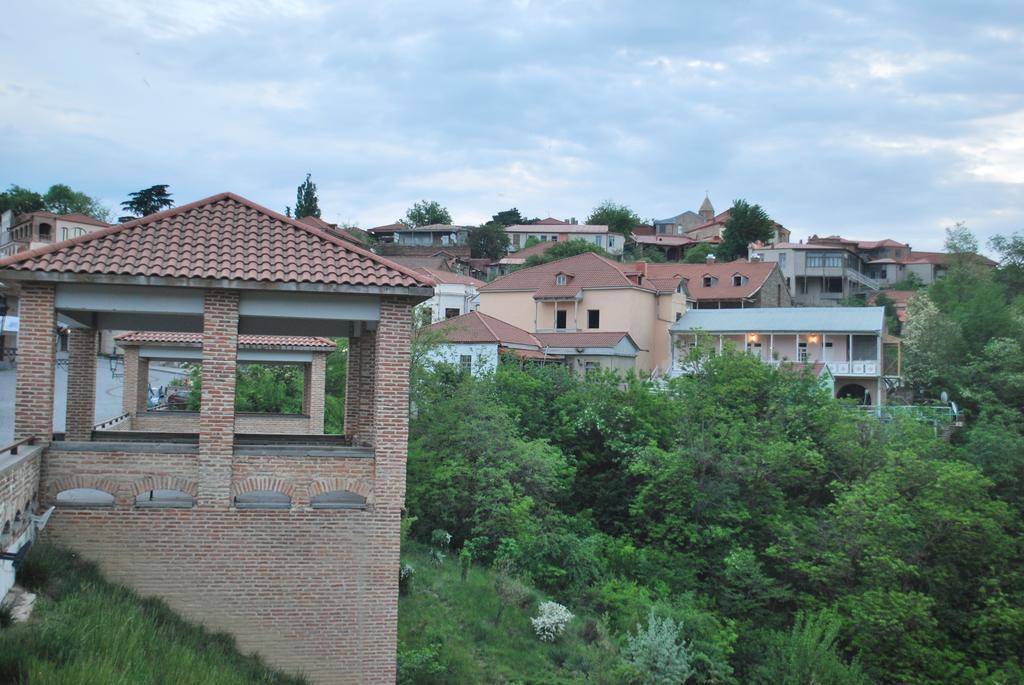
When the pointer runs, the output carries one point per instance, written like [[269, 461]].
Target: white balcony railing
[[855, 368]]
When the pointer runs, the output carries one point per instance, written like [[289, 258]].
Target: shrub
[[551, 621], [808, 654], [657, 655], [405, 574], [511, 592], [465, 561]]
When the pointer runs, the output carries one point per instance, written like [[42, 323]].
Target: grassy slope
[[86, 631], [455, 619]]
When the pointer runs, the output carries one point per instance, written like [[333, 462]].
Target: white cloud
[[182, 19]]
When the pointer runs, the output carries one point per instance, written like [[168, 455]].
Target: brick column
[[217, 413], [81, 404], [367, 374], [135, 387], [316, 373], [37, 358], [390, 429], [355, 347]]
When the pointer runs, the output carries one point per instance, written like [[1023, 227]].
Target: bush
[[551, 621], [808, 654], [656, 655], [405, 574]]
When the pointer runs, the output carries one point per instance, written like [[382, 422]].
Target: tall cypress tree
[[306, 202]]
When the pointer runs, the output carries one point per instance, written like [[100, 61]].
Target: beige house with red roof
[[589, 294], [730, 285]]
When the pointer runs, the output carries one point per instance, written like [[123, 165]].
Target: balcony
[[866, 368]]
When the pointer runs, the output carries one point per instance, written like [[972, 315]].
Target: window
[[561, 279], [515, 239], [263, 499], [451, 312], [738, 280], [709, 281], [338, 499], [63, 234], [164, 499], [801, 352], [466, 362], [83, 498], [560, 317], [593, 318], [611, 241], [45, 231], [782, 260], [679, 315], [834, 285], [589, 367], [755, 350]]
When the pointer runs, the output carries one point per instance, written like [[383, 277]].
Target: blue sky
[[870, 119]]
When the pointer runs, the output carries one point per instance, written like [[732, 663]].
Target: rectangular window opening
[[593, 318]]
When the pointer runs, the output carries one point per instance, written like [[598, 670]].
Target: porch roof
[[148, 338], [784, 320], [221, 241]]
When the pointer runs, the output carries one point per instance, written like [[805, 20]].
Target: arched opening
[[855, 391], [339, 499], [45, 231], [263, 499], [84, 498], [164, 499]]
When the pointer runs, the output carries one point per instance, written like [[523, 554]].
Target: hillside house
[[845, 345], [731, 285], [561, 232], [588, 294], [454, 294]]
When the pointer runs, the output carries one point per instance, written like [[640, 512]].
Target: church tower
[[706, 209]]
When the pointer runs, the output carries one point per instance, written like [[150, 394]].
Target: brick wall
[[352, 397], [302, 587], [315, 389], [217, 410], [81, 402], [19, 485], [364, 433], [774, 292], [33, 413], [188, 422], [135, 389]]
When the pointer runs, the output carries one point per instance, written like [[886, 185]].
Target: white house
[[454, 294], [846, 344], [562, 232], [475, 341]]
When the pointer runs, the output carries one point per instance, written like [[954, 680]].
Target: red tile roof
[[587, 270], [388, 228], [450, 278], [756, 272], [520, 256], [476, 327], [581, 339], [224, 237], [160, 337], [551, 221], [669, 240], [82, 219]]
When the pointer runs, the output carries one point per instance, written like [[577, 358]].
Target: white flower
[[551, 621]]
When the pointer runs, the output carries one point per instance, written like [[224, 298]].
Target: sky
[[866, 119]]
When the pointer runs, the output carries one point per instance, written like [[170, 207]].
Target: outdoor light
[[753, 337], [812, 338]]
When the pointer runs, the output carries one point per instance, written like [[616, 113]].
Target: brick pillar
[[390, 430], [217, 413], [135, 387], [81, 404], [316, 373], [367, 373], [355, 347], [37, 358], [141, 387]]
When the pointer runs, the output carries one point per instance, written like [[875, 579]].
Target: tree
[[21, 200], [1011, 262], [747, 224], [509, 217], [145, 202], [425, 213], [61, 199], [306, 202], [569, 248], [489, 240], [698, 254], [618, 218]]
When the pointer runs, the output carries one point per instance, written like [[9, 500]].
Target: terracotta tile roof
[[562, 228], [551, 221], [349, 234], [388, 228], [898, 297], [533, 354], [643, 229], [581, 339], [82, 219], [476, 327], [756, 272], [224, 237], [872, 244], [669, 240], [450, 278], [161, 337], [520, 256], [586, 270]]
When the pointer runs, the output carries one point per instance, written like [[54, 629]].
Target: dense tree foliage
[[738, 524], [561, 250], [306, 201], [618, 218], [425, 213], [509, 217], [145, 202], [59, 199], [747, 223], [21, 200], [698, 254], [488, 240]]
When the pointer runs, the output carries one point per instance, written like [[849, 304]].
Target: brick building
[[289, 542]]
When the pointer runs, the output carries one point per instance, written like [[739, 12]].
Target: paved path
[[108, 395]]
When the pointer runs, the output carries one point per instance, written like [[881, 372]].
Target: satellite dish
[[944, 397]]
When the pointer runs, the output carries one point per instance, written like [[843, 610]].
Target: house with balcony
[[599, 235], [846, 347], [819, 274], [39, 229], [575, 299]]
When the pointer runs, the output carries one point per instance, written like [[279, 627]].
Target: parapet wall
[[188, 422], [19, 487], [312, 590]]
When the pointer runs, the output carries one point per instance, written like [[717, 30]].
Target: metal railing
[[938, 415], [111, 422], [13, 447]]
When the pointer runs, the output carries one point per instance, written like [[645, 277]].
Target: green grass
[[86, 631], [447, 633]]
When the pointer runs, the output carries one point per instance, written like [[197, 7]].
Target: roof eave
[[418, 292]]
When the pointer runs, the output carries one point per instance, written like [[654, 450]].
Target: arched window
[[263, 499], [45, 231], [164, 499], [83, 498], [339, 499]]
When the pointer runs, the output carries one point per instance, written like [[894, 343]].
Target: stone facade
[[774, 292]]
